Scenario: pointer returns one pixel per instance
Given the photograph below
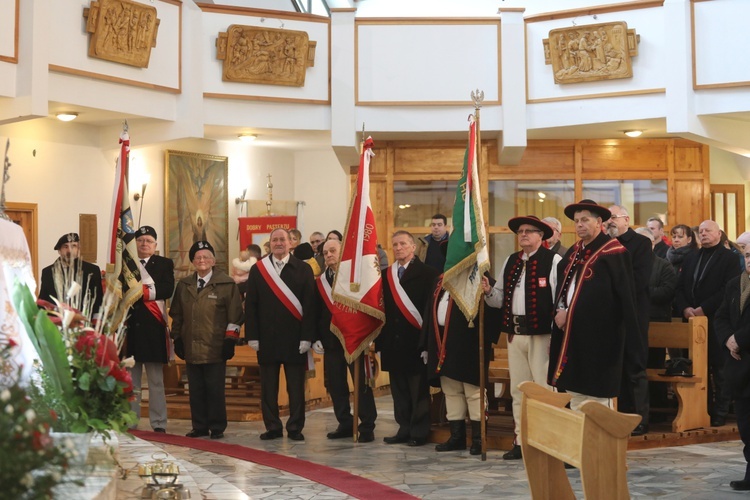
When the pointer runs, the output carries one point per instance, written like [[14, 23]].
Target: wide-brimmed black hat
[[200, 245], [589, 205], [146, 231], [67, 238], [532, 220]]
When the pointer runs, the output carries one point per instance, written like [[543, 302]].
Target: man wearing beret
[[206, 316], [147, 333], [595, 306], [280, 308], [57, 278], [524, 292]]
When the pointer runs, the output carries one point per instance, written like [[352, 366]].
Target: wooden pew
[[691, 391], [594, 440]]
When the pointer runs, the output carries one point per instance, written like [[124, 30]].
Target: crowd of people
[[576, 320]]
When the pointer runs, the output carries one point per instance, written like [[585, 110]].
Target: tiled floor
[[695, 472]]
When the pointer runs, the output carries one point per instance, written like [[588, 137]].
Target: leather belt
[[519, 325]]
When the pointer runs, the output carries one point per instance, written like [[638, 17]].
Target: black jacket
[[729, 320], [706, 290], [91, 275]]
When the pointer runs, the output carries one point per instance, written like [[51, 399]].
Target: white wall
[[323, 185]]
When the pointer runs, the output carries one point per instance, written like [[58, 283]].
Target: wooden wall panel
[[438, 157], [689, 157], [690, 208], [622, 156], [540, 156]]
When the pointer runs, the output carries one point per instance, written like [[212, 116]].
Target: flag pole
[[477, 97], [358, 361]]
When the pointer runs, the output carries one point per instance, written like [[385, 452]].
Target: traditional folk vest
[[538, 289]]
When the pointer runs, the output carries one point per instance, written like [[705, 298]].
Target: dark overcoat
[[271, 323], [642, 258], [147, 337], [729, 320], [706, 290], [398, 342]]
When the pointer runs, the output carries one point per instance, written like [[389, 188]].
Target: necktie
[[201, 283], [143, 262], [279, 266], [401, 270]]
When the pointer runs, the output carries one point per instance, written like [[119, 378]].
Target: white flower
[[67, 318], [30, 415], [56, 477], [5, 395], [128, 362], [73, 290], [9, 409], [27, 480]]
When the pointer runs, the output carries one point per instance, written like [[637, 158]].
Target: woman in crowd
[[683, 243]]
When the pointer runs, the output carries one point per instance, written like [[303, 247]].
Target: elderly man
[[634, 395], [553, 242], [525, 291], [433, 247], [656, 226], [334, 362], [406, 289], [57, 278], [281, 327], [732, 324], [700, 288], [595, 306], [147, 332], [206, 314]]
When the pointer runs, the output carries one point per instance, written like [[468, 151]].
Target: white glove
[[318, 347], [254, 344], [304, 346], [424, 356]]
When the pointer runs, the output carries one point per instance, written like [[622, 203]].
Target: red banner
[[258, 229]]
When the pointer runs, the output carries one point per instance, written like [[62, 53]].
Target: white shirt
[[518, 306]]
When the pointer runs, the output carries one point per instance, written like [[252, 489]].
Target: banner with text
[[258, 229]]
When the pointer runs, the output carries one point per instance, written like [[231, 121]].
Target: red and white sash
[[279, 288], [404, 303], [325, 292]]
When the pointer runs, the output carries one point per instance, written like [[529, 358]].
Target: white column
[[512, 140]]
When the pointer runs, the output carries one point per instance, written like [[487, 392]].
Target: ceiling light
[[633, 133], [66, 116], [247, 137], [542, 195]]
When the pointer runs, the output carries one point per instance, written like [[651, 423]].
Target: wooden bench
[[499, 372], [691, 391], [594, 439]]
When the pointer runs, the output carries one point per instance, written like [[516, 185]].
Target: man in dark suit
[[634, 395], [57, 278], [334, 362], [656, 226], [406, 288], [700, 288], [281, 327], [732, 323], [147, 333]]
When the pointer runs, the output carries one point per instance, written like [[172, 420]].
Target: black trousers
[[208, 408], [411, 403], [718, 394], [742, 410], [269, 396], [336, 381]]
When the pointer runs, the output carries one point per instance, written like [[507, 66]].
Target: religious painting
[[121, 31], [265, 55], [591, 53], [195, 207]]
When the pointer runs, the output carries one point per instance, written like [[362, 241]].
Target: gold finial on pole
[[269, 185], [6, 178]]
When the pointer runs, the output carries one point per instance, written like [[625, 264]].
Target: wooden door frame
[[31, 208], [739, 194]]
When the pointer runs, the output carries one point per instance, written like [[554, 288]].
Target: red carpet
[[342, 481]]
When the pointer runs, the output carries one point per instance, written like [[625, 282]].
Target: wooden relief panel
[[591, 53], [121, 31], [265, 55]]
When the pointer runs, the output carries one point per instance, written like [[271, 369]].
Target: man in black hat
[[595, 306], [58, 278], [147, 333], [524, 292], [206, 316]]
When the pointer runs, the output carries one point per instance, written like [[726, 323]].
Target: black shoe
[[514, 453], [640, 430], [366, 437], [743, 485], [396, 439], [416, 442], [718, 421], [268, 435], [217, 434], [296, 436], [340, 434], [196, 433], [160, 430]]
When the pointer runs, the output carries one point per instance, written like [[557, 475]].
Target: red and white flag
[[358, 285], [123, 274]]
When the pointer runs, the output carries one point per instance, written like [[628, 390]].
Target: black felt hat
[[589, 205], [532, 220], [67, 238], [201, 245]]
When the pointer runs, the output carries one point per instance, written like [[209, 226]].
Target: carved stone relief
[[592, 52], [121, 31], [265, 55]]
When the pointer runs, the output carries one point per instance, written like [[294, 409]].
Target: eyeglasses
[[528, 231], [199, 258], [315, 242], [617, 216]]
